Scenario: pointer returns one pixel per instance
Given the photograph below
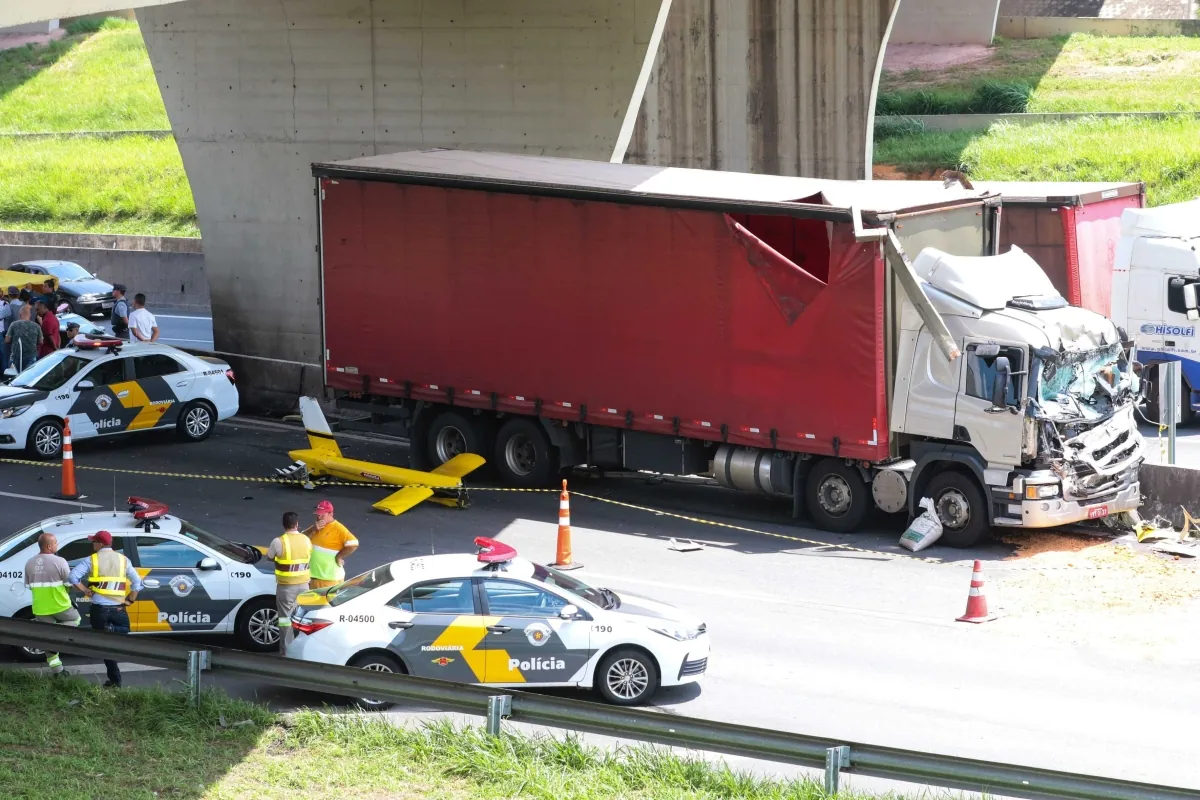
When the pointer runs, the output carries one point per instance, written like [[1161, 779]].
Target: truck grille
[[695, 667]]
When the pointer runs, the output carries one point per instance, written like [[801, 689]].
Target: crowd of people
[[30, 326]]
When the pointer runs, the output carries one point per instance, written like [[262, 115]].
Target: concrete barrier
[[971, 122], [169, 270], [1168, 490], [1047, 27]]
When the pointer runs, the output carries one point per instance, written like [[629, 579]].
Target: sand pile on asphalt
[[1097, 591]]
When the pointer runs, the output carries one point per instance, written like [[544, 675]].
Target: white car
[[109, 387], [194, 581], [494, 618]]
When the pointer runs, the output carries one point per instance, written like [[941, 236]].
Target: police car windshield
[[553, 577], [238, 552], [360, 585], [51, 372]]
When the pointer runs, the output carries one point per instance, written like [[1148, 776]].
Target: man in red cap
[[112, 586], [331, 543]]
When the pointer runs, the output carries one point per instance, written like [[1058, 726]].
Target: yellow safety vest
[[292, 566], [116, 586]]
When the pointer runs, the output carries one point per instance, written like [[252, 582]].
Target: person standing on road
[[142, 323], [120, 312], [290, 551], [47, 576], [49, 325], [23, 338], [70, 333], [6, 319], [112, 586], [331, 544]]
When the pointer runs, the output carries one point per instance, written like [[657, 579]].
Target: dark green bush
[[992, 97]]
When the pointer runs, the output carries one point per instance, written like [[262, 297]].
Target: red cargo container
[[620, 306], [1071, 230]]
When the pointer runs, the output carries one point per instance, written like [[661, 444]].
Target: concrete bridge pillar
[[256, 90]]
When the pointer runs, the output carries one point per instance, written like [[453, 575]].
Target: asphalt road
[[181, 327], [857, 644]]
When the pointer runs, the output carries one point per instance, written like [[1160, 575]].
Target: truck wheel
[[961, 507], [452, 434], [524, 456], [837, 497]]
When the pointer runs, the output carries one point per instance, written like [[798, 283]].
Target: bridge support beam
[[256, 90]]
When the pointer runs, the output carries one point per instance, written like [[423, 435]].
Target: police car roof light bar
[[87, 342], [145, 511], [494, 552]]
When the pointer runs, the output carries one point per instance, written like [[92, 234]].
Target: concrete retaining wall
[[1167, 490], [945, 22], [169, 270], [960, 122], [1046, 27]]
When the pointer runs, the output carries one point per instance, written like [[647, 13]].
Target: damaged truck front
[[1027, 355]]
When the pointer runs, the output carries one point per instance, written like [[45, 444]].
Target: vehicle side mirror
[[1190, 301], [208, 564], [83, 386], [568, 612], [1000, 385]]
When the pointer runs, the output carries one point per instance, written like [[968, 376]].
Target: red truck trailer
[[547, 312], [1071, 230]]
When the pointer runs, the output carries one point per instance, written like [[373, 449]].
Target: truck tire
[[524, 455], [961, 507], [837, 497], [452, 434]]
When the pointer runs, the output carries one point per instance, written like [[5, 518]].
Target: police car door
[[184, 588], [437, 631], [535, 644], [96, 408], [165, 383], [80, 549]]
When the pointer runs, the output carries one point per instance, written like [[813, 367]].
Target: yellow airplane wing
[[399, 502], [460, 465]]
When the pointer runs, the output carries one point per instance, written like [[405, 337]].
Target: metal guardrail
[[831, 755]]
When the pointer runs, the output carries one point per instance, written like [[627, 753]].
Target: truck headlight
[[1042, 491], [676, 632], [15, 411]]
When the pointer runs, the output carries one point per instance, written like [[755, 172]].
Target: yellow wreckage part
[[467, 632], [461, 465], [350, 469], [399, 502], [313, 599]]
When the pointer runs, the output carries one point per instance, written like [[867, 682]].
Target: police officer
[[112, 586], [47, 576], [120, 312], [291, 552]]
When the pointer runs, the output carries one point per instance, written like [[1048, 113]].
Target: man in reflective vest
[[331, 544], [47, 576], [291, 552], [112, 586]]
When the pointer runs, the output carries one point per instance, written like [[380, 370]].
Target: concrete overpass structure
[[256, 90]]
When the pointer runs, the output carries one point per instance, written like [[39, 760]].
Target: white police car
[[194, 581], [107, 386], [497, 619]]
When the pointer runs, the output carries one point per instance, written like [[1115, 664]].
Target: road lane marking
[[180, 316], [175, 339], [75, 503]]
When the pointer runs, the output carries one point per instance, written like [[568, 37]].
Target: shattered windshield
[[1088, 382]]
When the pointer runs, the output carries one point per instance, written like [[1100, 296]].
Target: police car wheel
[[46, 439], [627, 677], [195, 422], [258, 625], [29, 654], [376, 662]]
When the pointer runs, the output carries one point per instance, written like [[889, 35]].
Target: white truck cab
[[1156, 272], [1038, 406]]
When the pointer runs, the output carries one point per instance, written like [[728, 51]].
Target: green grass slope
[[71, 738], [97, 80]]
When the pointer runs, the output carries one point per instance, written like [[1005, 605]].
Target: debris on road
[[924, 530], [680, 547]]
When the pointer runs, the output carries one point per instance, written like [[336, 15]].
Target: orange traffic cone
[[68, 467], [562, 557], [977, 610]]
